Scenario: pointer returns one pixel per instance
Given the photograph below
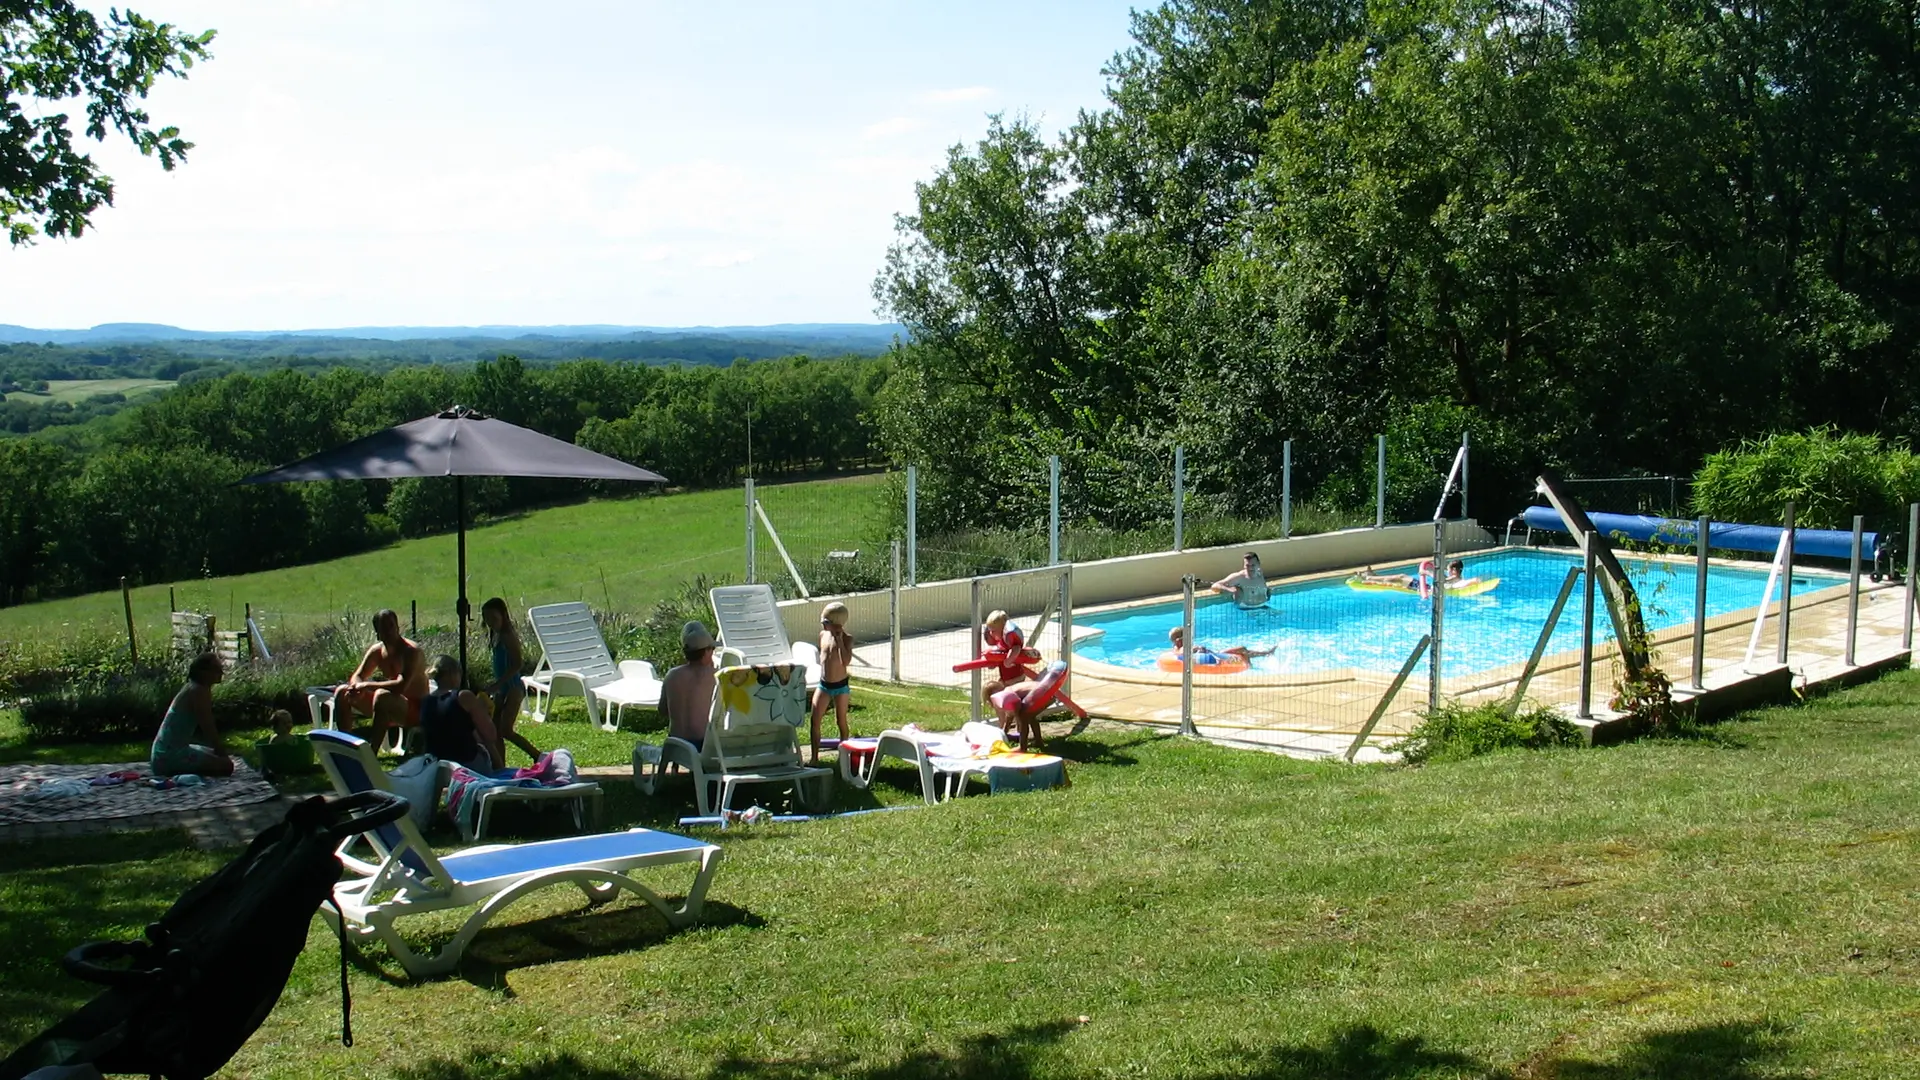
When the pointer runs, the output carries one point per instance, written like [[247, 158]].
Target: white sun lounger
[[919, 749], [749, 622], [573, 652], [751, 739], [409, 879]]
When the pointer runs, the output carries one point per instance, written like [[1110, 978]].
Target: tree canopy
[[1600, 234], [53, 51]]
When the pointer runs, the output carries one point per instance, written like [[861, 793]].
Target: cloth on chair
[[766, 693], [555, 769]]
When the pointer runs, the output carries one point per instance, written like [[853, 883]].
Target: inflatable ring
[[1227, 664]]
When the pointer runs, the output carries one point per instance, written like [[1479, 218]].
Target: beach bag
[[183, 999]]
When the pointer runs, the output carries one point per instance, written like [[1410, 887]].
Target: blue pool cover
[[1726, 536]]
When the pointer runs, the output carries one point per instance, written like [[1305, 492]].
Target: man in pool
[[1247, 585], [1206, 657]]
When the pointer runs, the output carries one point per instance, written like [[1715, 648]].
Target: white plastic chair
[[572, 653], [409, 879], [749, 620], [750, 739]]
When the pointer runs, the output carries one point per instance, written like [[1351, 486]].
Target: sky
[[443, 163]]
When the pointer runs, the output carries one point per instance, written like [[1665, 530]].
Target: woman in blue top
[[506, 690], [174, 751]]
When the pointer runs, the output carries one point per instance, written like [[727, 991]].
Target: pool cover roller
[[1727, 536]]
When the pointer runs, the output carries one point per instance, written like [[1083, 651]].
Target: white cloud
[[893, 125], [958, 93]]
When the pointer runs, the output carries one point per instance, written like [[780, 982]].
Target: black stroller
[[184, 999]]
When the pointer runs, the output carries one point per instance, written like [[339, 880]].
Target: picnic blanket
[[22, 801]]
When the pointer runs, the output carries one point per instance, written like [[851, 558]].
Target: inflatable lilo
[[1228, 661], [1020, 705], [1421, 582]]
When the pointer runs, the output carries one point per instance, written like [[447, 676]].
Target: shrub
[[1458, 731], [657, 637], [100, 708], [1828, 475]]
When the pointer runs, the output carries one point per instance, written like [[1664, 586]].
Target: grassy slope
[[78, 390], [1730, 908], [642, 547]]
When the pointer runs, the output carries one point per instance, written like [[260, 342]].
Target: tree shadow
[[1358, 1052], [1101, 753], [1726, 1051]]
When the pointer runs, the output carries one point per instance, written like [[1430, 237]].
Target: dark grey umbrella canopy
[[458, 442]]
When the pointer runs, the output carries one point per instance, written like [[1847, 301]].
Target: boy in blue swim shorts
[[836, 654]]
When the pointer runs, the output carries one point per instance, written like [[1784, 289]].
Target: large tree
[[53, 52], [1607, 233]]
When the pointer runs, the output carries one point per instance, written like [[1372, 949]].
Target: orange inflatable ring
[[1224, 664]]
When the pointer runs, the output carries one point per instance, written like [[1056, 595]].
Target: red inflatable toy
[[1009, 654], [1034, 701]]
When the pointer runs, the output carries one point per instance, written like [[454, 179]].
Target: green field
[[78, 390], [1732, 908], [623, 554]]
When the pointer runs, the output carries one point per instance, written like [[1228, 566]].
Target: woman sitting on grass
[[174, 752]]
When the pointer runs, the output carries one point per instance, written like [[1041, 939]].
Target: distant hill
[[802, 337]]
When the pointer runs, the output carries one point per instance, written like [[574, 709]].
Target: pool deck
[[1319, 714]]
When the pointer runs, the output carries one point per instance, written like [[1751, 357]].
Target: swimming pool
[[1324, 625]]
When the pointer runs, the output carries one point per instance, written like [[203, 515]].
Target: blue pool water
[[1321, 625]]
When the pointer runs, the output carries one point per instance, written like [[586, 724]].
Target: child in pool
[[1204, 656]]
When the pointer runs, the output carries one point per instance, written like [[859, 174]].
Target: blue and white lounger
[[414, 880]]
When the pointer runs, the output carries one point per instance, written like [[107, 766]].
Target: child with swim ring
[[1236, 657]]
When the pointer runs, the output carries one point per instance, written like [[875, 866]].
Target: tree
[[52, 51]]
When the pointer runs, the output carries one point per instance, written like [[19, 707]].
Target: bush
[[100, 708], [1828, 475], [1457, 731]]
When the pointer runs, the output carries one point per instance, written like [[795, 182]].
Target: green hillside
[[622, 553]]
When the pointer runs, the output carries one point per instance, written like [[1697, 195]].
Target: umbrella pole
[[460, 609]]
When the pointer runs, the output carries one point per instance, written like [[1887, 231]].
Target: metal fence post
[[1186, 656], [913, 530], [752, 531], [893, 615], [1701, 538], [1179, 497], [1786, 589], [1380, 486], [1463, 476], [1439, 613], [1913, 539], [1286, 489], [1585, 711], [975, 637], [1853, 588], [1066, 625], [1053, 509]]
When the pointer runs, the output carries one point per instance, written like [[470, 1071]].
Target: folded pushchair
[[182, 1000]]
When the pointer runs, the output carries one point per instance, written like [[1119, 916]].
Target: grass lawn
[[78, 390], [1734, 907], [619, 553]]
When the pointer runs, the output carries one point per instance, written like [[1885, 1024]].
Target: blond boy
[[836, 653]]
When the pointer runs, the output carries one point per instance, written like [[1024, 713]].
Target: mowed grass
[[78, 390], [619, 553], [1736, 907]]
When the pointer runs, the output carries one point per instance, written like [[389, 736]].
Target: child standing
[[836, 653]]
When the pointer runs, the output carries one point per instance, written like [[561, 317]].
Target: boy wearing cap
[[686, 694]]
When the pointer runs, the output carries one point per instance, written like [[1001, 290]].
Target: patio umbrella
[[458, 443]]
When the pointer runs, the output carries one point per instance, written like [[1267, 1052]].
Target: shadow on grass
[[1101, 752], [1728, 1051], [581, 934], [1354, 1053]]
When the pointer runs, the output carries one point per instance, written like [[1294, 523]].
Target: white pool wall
[[944, 604]]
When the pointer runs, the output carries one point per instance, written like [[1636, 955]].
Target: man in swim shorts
[[1204, 657], [1247, 585], [389, 684]]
